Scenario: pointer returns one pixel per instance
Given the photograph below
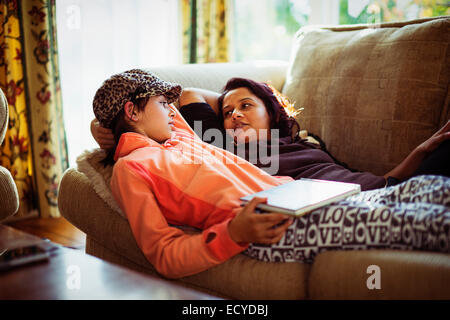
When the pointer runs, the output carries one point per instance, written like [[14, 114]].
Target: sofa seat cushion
[[242, 277], [402, 275], [390, 80]]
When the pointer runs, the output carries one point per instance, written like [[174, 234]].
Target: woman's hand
[[248, 226], [435, 140], [103, 136], [408, 166]]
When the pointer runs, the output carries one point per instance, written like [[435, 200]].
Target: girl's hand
[[103, 136], [248, 226], [435, 140]]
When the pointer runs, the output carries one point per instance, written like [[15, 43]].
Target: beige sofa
[[372, 94]]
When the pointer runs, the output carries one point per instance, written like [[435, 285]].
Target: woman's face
[[156, 120], [245, 116]]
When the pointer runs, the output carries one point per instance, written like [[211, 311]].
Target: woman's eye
[[227, 114]]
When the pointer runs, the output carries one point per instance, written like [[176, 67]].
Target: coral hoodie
[[183, 181]]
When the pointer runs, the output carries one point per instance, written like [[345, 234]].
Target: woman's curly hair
[[281, 112]]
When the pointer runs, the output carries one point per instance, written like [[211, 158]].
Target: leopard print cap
[[115, 92]]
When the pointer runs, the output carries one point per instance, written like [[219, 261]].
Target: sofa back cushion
[[372, 92], [214, 76]]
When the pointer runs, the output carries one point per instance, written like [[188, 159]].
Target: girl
[[165, 176]]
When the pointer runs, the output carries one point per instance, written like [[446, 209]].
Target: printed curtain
[[35, 148], [15, 152], [205, 34]]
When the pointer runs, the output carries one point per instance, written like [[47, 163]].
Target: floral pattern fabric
[[36, 161], [205, 32], [15, 152], [45, 102]]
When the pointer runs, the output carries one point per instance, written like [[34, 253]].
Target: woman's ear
[[130, 111]]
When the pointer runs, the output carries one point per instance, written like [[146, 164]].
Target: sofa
[[372, 93], [9, 197]]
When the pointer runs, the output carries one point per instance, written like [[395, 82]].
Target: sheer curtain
[[98, 38]]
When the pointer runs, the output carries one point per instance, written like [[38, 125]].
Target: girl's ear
[[130, 111]]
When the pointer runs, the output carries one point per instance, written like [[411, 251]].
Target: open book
[[302, 196]]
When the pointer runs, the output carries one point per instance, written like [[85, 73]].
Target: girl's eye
[[227, 113], [245, 105]]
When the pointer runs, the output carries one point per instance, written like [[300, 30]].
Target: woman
[[250, 111], [249, 106]]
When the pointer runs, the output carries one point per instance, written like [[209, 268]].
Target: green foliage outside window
[[264, 29], [285, 16], [377, 11]]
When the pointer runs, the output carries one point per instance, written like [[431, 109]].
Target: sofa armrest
[[89, 213]]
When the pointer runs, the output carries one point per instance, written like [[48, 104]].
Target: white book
[[302, 196]]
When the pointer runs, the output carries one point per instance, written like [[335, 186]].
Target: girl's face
[[246, 115], [156, 120]]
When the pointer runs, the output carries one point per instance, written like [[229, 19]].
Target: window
[[377, 11], [264, 29], [98, 38]]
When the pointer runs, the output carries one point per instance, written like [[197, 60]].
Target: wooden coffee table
[[72, 274]]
